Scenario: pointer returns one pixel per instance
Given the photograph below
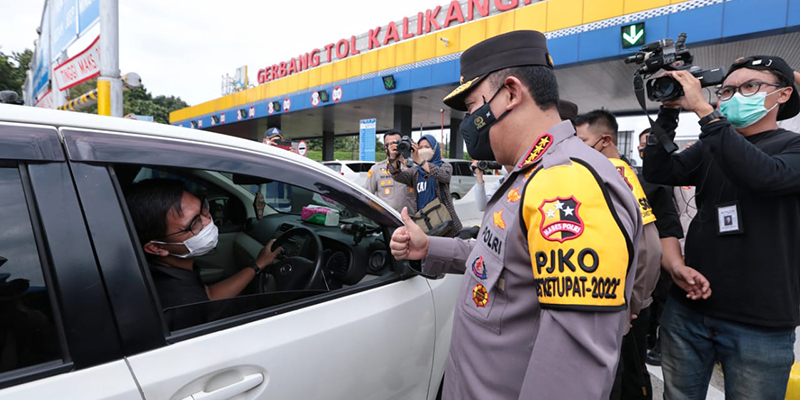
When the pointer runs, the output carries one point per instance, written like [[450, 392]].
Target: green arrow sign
[[632, 35]]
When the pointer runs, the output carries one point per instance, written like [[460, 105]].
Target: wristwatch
[[255, 267], [710, 117], [422, 163]]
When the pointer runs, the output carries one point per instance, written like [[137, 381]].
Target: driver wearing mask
[[174, 227]]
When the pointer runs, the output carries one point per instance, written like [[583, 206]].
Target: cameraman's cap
[[512, 49], [272, 132], [774, 64], [567, 110]]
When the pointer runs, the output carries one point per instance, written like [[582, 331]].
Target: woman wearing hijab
[[430, 178]]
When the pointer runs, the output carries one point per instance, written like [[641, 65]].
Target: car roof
[[452, 160], [72, 119]]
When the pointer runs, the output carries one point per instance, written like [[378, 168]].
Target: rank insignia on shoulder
[[538, 149], [498, 220], [560, 219], [513, 196], [478, 268], [480, 296], [369, 174]]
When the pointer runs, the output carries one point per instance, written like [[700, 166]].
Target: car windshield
[[285, 198], [335, 167]]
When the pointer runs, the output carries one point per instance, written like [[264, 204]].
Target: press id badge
[[728, 219]]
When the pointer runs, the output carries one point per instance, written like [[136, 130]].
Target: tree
[[13, 69], [135, 101]]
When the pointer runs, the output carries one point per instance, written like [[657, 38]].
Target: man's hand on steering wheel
[[266, 256]]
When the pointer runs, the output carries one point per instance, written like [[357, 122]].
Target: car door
[[57, 334], [372, 340]]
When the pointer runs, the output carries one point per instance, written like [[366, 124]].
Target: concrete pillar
[[456, 140], [327, 146], [402, 119], [260, 127]]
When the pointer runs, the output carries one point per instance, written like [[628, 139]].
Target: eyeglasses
[[746, 89], [196, 224]]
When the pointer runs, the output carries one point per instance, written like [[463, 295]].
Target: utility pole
[[109, 85]]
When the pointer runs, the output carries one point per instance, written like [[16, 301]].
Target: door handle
[[247, 383]]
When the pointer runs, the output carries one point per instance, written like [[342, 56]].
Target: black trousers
[[633, 380], [660, 295]]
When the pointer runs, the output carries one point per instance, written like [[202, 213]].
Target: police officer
[[381, 183], [542, 310]]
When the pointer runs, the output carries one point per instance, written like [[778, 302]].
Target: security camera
[[446, 42]]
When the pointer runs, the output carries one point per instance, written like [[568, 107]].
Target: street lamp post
[[109, 85]]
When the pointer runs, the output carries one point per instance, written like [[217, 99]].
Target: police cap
[[512, 49]]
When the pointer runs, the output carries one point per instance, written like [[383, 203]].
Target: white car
[[355, 171], [462, 179], [335, 318]]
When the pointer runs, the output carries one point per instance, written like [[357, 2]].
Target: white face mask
[[425, 153], [200, 244]]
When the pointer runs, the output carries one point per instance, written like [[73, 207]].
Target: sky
[[183, 48]]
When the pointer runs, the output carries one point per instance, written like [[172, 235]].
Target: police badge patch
[[480, 296], [560, 219], [478, 268]]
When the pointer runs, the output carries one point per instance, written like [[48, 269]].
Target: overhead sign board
[[366, 139], [78, 69], [457, 12], [632, 35], [47, 100], [40, 70], [88, 14], [63, 24], [69, 20]]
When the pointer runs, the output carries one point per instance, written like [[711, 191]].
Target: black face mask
[[475, 130]]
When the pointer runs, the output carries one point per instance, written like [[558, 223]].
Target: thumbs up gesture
[[409, 241]]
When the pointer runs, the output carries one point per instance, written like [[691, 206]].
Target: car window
[[334, 166], [461, 168], [353, 247], [361, 167], [28, 334], [227, 211]]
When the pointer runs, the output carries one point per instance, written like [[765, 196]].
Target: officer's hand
[[409, 242], [692, 282], [392, 151], [415, 153], [693, 99]]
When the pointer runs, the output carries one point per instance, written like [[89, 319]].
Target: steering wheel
[[291, 269]]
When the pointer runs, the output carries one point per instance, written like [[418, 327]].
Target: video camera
[[10, 97], [484, 165], [671, 56]]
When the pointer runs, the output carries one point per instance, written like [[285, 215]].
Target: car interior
[[320, 252]]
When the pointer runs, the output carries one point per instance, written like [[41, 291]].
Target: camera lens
[[664, 87]]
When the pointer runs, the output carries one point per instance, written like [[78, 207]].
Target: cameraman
[[381, 183], [482, 196], [743, 241]]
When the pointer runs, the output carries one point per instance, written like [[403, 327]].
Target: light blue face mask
[[745, 111]]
